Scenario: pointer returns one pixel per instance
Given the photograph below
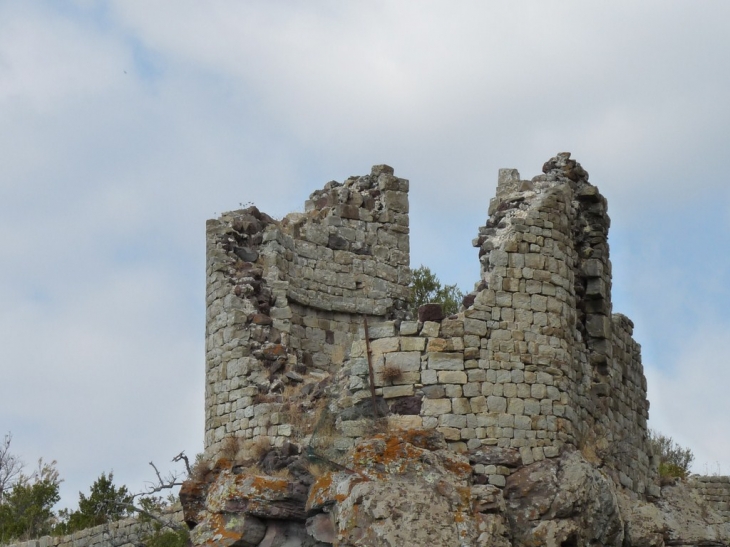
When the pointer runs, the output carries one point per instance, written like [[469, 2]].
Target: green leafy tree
[[674, 460], [105, 503], [427, 289], [26, 509]]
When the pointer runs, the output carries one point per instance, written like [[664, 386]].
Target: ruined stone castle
[[336, 415], [535, 361], [311, 348]]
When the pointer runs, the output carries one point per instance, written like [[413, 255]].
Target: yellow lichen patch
[[332, 487], [459, 468], [386, 455], [319, 492], [263, 485]]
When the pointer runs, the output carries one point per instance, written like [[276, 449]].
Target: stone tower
[[535, 361]]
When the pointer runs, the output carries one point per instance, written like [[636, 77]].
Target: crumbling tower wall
[[535, 363], [284, 298], [544, 251]]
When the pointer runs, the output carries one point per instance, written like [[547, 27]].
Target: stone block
[[478, 404], [412, 343], [498, 258], [381, 330], [460, 406], [445, 361], [523, 422], [596, 288], [406, 361], [429, 377], [408, 328], [496, 404], [452, 420], [405, 422], [452, 377], [436, 407], [497, 480], [434, 392], [538, 303], [504, 299], [396, 201], [475, 327], [452, 327], [385, 345], [390, 392], [430, 312], [437, 344], [598, 326], [450, 433], [532, 407], [516, 406], [430, 329]]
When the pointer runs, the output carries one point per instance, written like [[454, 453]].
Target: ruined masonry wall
[[123, 533], [715, 490], [537, 361], [284, 299]]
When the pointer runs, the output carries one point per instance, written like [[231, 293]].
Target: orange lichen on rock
[[332, 488]]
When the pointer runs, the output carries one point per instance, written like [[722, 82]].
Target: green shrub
[[167, 538], [674, 460], [427, 289]]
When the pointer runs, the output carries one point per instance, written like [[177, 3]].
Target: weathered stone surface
[[228, 530], [564, 501], [408, 492], [406, 406], [446, 361], [430, 312], [284, 534], [364, 409], [321, 528], [679, 517], [495, 455]]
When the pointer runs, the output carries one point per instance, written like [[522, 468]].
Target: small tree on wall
[[426, 288]]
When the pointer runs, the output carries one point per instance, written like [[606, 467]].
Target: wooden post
[[370, 368]]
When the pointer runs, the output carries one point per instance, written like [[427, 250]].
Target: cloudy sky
[[125, 124]]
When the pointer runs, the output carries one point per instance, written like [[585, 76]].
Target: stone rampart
[[284, 299], [129, 532], [715, 490], [535, 361]]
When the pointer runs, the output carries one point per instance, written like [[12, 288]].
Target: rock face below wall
[[408, 489]]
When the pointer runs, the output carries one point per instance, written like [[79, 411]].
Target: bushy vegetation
[[674, 460], [105, 503], [26, 505], [27, 501], [426, 288], [167, 538]]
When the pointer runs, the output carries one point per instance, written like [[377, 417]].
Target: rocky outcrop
[[408, 489], [563, 501]]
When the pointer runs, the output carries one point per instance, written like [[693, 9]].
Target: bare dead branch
[[183, 457]]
